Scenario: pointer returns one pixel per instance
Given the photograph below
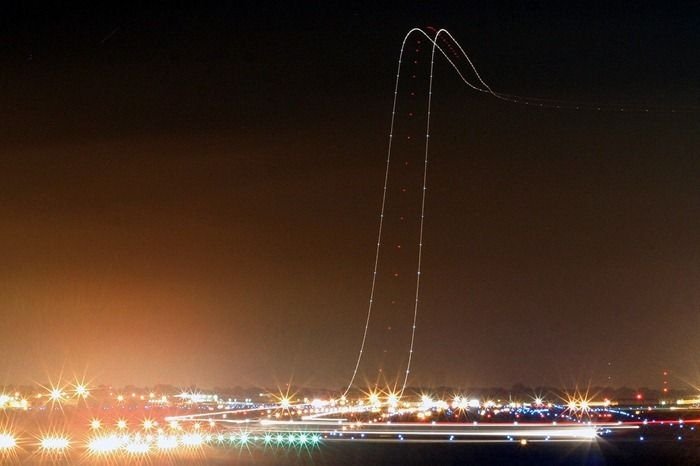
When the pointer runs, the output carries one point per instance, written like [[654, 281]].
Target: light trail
[[480, 86], [422, 223], [381, 222], [442, 432], [539, 101]]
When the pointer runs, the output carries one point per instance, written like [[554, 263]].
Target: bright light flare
[[137, 447], [285, 402], [426, 402], [7, 441], [95, 424], [104, 445], [166, 442], [191, 440], [56, 395], [579, 404], [81, 391], [54, 443], [122, 424], [393, 400], [460, 402]]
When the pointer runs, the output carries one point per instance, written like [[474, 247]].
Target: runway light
[[137, 447], [56, 394], [121, 424], [191, 440], [81, 391], [148, 424], [393, 400], [166, 442], [7, 441], [54, 443], [95, 424], [104, 445]]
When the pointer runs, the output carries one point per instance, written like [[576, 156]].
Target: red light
[[639, 396]]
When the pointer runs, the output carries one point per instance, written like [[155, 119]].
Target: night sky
[[190, 195]]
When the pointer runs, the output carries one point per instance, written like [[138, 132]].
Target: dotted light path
[[449, 48]]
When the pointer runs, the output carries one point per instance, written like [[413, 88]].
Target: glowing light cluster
[[55, 443], [7, 441], [137, 447], [166, 442], [191, 439], [13, 401], [104, 444]]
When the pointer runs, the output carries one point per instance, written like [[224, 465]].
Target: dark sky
[[191, 194]]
